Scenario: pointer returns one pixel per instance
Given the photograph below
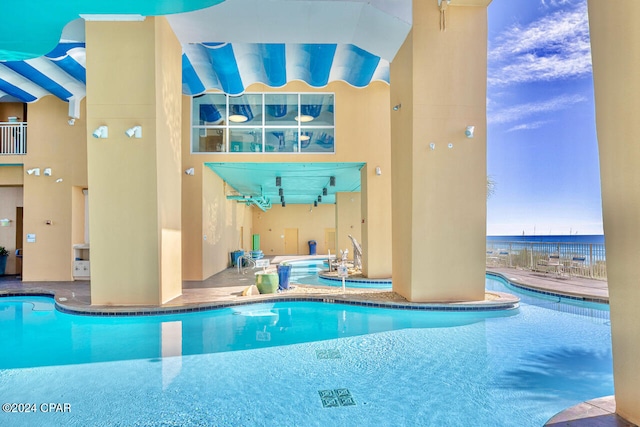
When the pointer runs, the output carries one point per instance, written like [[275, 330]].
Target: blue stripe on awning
[[362, 65], [191, 84], [226, 68], [275, 64], [72, 67], [16, 92], [321, 59], [62, 49], [30, 73]]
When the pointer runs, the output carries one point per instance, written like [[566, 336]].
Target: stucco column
[[616, 73], [134, 78], [376, 217], [438, 88]]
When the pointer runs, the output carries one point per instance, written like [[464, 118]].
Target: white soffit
[[377, 26]]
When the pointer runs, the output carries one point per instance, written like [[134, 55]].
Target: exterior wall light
[[469, 131], [190, 171], [135, 131], [101, 132], [33, 171]]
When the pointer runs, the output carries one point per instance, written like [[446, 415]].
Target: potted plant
[[4, 256]]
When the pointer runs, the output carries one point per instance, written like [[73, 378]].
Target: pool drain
[[336, 397], [332, 353]]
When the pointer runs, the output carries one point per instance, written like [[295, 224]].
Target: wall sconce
[[47, 172], [397, 107], [134, 131], [432, 146], [71, 121], [378, 171], [284, 204], [280, 192], [319, 199], [59, 180], [101, 132], [450, 145], [469, 131], [190, 171], [278, 181], [324, 191], [332, 181], [5, 222], [282, 199], [315, 203], [34, 171]]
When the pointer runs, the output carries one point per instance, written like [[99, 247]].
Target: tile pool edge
[[504, 302], [526, 287]]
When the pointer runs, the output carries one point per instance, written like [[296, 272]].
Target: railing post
[[591, 260]]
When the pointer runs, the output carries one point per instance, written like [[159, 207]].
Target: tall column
[[376, 220], [134, 79], [438, 88], [616, 74]]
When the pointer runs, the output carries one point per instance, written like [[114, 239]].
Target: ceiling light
[[304, 118], [315, 203], [278, 181], [101, 132], [238, 118], [280, 192], [304, 137], [134, 131], [324, 191], [284, 204], [319, 199], [332, 181]]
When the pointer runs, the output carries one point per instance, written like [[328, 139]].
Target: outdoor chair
[[552, 264], [578, 266]]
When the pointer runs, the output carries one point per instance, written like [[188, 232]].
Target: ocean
[[574, 238]]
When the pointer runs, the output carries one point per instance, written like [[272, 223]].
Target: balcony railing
[[575, 259], [13, 138]]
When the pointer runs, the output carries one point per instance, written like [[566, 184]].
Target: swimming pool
[[306, 271], [303, 364]]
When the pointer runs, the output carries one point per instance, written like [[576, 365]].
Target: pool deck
[[227, 287]]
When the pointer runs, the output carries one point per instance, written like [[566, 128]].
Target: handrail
[[13, 138], [240, 263], [528, 254]]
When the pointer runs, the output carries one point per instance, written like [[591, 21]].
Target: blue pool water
[[271, 365], [306, 272]]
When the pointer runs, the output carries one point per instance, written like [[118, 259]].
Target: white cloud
[[530, 125], [522, 111], [554, 47]]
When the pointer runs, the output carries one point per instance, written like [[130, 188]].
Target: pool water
[[304, 364], [306, 272]]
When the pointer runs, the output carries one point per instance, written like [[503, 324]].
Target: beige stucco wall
[[56, 145], [348, 221], [310, 222], [222, 220], [616, 74], [134, 78], [439, 196], [11, 198]]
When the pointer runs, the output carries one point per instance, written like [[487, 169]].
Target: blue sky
[[542, 148]]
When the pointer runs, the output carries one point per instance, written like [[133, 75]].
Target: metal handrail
[[13, 138], [581, 259]]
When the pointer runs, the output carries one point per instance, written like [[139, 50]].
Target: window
[[263, 123]]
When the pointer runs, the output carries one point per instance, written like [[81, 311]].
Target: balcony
[[13, 138]]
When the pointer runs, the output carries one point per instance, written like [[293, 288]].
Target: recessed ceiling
[[301, 183]]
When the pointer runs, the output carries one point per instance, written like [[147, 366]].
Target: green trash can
[[267, 283]]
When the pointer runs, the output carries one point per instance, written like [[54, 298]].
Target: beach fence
[[576, 259]]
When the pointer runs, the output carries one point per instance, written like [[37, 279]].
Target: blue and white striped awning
[[227, 67], [230, 68]]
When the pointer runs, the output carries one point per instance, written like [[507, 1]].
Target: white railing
[[13, 138], [578, 259]]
